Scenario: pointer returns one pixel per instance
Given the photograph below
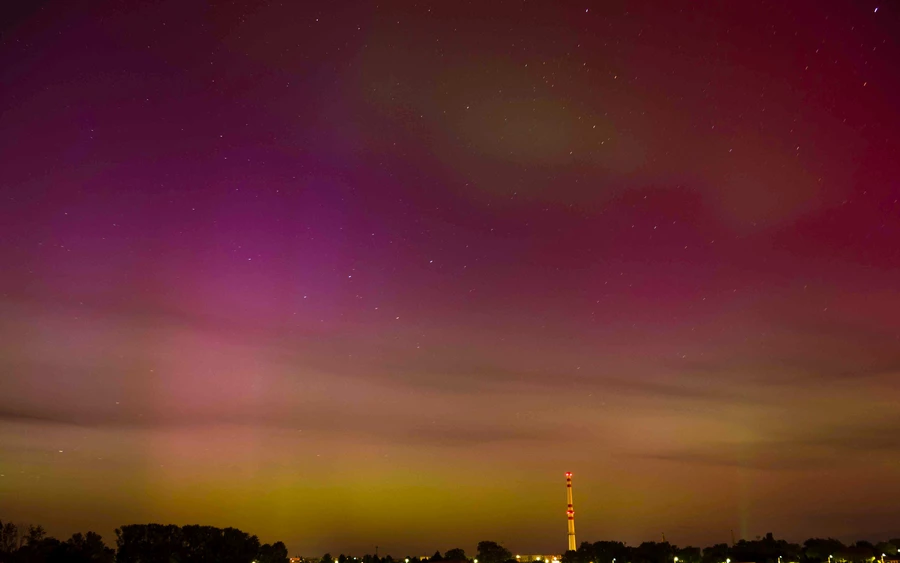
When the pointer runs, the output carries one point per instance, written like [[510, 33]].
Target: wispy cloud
[[819, 447]]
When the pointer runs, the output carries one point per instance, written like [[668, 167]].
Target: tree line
[[487, 551], [139, 543], [157, 543], [761, 550]]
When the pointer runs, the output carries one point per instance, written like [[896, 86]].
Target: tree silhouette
[[817, 550], [653, 552], [896, 543], [155, 543], [87, 548], [34, 535], [9, 537], [492, 552], [718, 553], [455, 554], [606, 551], [275, 553], [689, 554]]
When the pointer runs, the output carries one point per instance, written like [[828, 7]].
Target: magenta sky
[[346, 274]]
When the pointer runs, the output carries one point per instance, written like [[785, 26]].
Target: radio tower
[[570, 512]]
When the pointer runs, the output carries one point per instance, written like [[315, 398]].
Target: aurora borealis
[[350, 274]]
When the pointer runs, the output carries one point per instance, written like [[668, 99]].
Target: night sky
[[347, 274]]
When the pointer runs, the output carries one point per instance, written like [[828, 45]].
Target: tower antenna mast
[[570, 512]]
